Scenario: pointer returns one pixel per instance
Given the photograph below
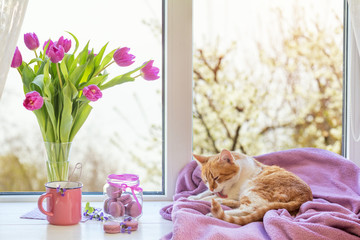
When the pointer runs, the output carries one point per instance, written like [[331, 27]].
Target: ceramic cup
[[63, 205]]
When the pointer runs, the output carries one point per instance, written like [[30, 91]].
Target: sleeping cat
[[249, 187]]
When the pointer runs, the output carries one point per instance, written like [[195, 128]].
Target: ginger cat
[[249, 187]]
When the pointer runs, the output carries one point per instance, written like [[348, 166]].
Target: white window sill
[[151, 224]]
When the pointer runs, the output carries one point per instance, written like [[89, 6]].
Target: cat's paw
[[215, 208], [210, 214]]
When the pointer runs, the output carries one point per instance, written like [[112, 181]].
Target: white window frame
[[177, 72], [351, 93]]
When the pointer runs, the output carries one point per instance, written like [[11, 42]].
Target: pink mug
[[63, 202]]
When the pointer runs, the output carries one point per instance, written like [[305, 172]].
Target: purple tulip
[[33, 101], [92, 92], [55, 53], [31, 41], [17, 59], [65, 43], [123, 58], [50, 44], [149, 72]]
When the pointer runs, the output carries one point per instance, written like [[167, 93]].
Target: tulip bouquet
[[59, 86]]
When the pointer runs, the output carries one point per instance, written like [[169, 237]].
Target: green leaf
[[28, 76], [40, 116], [46, 71], [76, 42], [49, 131], [38, 84], [81, 116], [35, 60], [47, 90], [74, 64], [51, 113], [99, 56], [106, 60], [73, 90], [69, 62], [122, 78], [117, 80], [76, 74], [88, 71], [64, 70], [66, 117], [45, 48], [41, 69], [96, 80], [84, 54]]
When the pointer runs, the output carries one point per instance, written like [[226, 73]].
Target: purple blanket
[[333, 214]]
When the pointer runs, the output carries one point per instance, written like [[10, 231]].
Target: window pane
[[123, 133], [267, 75]]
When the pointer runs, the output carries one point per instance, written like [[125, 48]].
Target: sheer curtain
[[11, 17], [353, 69]]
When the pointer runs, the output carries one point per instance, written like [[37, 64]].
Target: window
[[267, 75], [124, 131], [178, 71]]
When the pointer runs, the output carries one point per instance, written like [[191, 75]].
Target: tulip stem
[[19, 72], [37, 57], [103, 69], [58, 71]]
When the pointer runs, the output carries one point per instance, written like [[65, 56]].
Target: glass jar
[[123, 197]]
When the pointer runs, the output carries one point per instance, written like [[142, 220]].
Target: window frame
[[351, 88]]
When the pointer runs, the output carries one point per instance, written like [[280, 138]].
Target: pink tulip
[[33, 101], [149, 72], [31, 41], [123, 58], [17, 59], [66, 43], [55, 53], [92, 92], [51, 43]]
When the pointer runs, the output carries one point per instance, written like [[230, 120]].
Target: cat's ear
[[201, 159], [226, 156]]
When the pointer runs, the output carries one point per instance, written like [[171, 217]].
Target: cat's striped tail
[[257, 215]]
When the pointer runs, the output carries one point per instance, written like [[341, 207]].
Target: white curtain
[[354, 12], [11, 17]]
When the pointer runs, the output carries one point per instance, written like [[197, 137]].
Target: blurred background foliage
[[291, 98]]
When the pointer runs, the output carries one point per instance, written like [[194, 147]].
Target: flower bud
[[65, 43], [92, 92], [17, 59], [149, 72], [33, 101], [55, 53], [51, 43], [31, 41], [123, 58]]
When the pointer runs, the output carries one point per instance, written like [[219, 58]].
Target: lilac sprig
[[94, 213], [61, 190], [124, 228]]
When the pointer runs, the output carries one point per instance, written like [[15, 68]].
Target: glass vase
[[57, 161]]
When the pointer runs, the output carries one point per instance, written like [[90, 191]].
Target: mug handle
[[40, 202]]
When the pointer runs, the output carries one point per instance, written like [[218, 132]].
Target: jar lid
[[124, 177]]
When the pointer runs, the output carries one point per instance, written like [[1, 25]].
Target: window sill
[[151, 224]]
